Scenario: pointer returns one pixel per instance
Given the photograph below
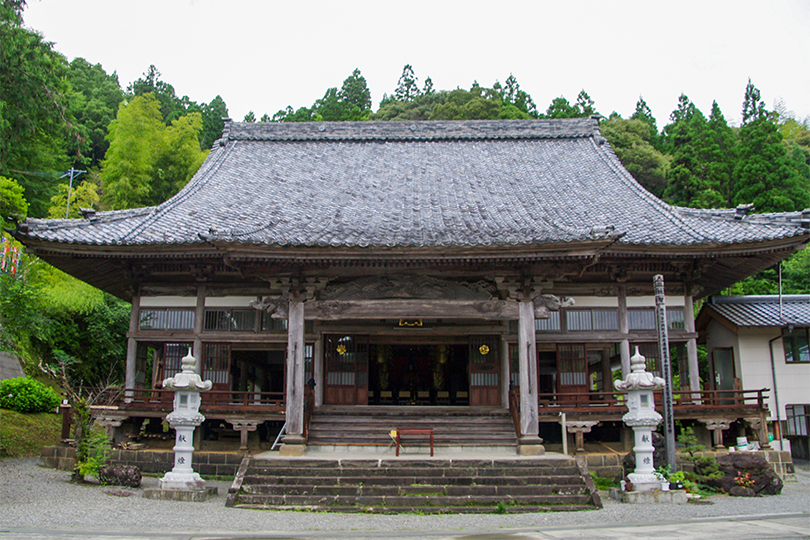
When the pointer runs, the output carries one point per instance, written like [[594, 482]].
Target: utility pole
[[73, 173]]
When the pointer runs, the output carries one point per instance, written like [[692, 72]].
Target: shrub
[[26, 395]]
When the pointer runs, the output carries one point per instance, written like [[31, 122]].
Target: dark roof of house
[[766, 310], [419, 184]]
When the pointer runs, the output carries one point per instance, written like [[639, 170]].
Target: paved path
[[38, 503]]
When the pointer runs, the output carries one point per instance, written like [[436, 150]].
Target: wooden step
[[371, 426]]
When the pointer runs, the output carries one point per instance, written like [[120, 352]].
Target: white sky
[[263, 55]]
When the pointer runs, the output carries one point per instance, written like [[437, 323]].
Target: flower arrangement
[[744, 480]]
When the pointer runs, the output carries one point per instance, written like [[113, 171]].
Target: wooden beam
[[411, 309]]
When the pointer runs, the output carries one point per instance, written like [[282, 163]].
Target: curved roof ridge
[[663, 208], [422, 130], [201, 177]]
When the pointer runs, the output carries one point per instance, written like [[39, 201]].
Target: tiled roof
[[763, 310], [420, 184]]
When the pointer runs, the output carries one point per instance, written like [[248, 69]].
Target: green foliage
[[24, 435], [12, 200], [764, 174], [173, 107], [631, 141], [34, 119], [644, 114], [706, 467], [21, 319], [177, 157], [700, 172], [84, 195], [352, 102], [128, 166], [603, 484], [94, 106], [26, 395], [408, 85], [561, 108], [148, 162], [94, 451]]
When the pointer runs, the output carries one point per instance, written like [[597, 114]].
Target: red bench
[[401, 432]]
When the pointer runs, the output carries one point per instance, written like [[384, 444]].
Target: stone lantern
[[641, 416], [185, 416]]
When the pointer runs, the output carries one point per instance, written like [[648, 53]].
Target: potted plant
[[676, 480], [662, 474]]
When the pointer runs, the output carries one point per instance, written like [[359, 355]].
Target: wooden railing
[[161, 399], [514, 410], [682, 401]]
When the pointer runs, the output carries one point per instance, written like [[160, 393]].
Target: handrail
[[514, 410], [309, 406], [683, 400], [211, 400]]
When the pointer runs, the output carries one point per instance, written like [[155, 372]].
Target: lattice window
[[166, 319], [216, 362], [173, 354], [573, 364], [230, 320]]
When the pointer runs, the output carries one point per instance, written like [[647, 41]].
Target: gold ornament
[[484, 350], [341, 349]]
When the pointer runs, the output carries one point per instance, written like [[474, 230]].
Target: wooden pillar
[[317, 371], [199, 325], [506, 374], [294, 443], [691, 345], [624, 328], [132, 348], [530, 443]]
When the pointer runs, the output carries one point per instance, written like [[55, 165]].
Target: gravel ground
[[35, 498]]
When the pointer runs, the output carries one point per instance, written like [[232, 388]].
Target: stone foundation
[[148, 461]]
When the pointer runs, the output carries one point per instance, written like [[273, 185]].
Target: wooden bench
[[401, 432]]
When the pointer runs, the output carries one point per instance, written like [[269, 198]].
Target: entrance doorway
[[418, 374]]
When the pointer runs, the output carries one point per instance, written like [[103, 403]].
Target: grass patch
[[24, 435], [603, 484]]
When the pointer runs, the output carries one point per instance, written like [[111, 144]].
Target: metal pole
[[71, 172], [666, 370]]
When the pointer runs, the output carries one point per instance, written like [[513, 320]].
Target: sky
[[262, 55]]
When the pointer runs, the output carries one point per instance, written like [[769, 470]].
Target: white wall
[[792, 380]]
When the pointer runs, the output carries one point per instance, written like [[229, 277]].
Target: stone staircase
[[429, 486], [367, 427]]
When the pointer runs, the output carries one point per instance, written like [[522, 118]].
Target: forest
[[72, 137]]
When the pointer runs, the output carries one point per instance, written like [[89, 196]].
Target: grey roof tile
[[421, 184], [759, 311]]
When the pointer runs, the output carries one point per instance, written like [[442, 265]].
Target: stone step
[[425, 490], [365, 480], [424, 509], [398, 501]]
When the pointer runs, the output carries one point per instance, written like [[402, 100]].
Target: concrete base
[[191, 495], [183, 481], [292, 449], [530, 445], [649, 497]]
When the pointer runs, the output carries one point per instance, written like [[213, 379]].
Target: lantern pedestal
[[182, 483], [641, 416]]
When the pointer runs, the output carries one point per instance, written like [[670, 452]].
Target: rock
[[120, 475], [766, 482], [740, 491]]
